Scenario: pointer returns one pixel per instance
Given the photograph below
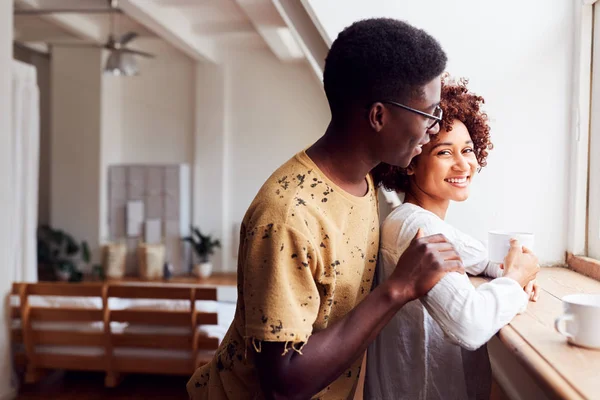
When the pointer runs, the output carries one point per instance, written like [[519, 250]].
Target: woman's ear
[[410, 170]]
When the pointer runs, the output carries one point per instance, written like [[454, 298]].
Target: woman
[[432, 348]]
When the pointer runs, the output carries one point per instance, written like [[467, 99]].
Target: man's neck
[[435, 205], [343, 159]]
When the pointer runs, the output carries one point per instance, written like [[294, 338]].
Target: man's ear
[[378, 116]]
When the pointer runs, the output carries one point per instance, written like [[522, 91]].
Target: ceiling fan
[[121, 61]]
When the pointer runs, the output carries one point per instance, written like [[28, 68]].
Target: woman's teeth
[[456, 180]]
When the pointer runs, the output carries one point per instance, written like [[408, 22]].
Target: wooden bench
[[110, 355]]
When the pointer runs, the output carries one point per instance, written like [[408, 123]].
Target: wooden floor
[[90, 386]]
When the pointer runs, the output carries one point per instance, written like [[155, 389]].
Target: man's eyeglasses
[[436, 116]]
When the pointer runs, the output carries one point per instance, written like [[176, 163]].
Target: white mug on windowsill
[[580, 322], [499, 243]]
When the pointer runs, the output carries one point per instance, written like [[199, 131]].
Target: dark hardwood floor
[[61, 385]]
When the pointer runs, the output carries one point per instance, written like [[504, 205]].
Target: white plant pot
[[62, 275], [203, 270]]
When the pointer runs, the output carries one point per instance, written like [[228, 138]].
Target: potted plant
[[204, 246], [59, 254]]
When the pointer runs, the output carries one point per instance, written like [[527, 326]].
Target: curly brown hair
[[457, 104]]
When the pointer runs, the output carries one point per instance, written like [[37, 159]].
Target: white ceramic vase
[[203, 270], [62, 276]]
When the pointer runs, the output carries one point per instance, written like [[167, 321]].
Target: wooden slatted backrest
[[149, 291], [190, 318], [203, 342], [15, 314], [71, 313], [64, 289], [148, 316], [30, 314], [160, 316]]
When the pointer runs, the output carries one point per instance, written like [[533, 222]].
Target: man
[[309, 241]]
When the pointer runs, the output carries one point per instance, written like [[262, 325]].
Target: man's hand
[[423, 264], [521, 264]]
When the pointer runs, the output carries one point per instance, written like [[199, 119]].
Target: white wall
[[517, 55], [100, 120], [157, 107], [254, 113], [75, 144], [210, 203], [277, 110], [6, 36], [149, 118]]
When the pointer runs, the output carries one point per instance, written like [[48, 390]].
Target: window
[[593, 214], [584, 197]]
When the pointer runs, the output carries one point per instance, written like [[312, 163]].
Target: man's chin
[[403, 162]]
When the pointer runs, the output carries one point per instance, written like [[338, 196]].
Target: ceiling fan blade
[[137, 52], [89, 45], [67, 11], [127, 37]]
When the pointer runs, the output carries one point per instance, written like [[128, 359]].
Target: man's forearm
[[328, 353]]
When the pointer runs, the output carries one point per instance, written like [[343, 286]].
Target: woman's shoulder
[[402, 224], [408, 214]]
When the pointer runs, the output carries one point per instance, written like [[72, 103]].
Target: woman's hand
[[521, 264], [533, 290]]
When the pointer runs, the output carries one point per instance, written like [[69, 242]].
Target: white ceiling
[[204, 29]]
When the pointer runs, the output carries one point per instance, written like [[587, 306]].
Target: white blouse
[[432, 348]]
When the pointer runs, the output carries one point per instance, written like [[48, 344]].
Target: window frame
[[593, 204], [583, 235]]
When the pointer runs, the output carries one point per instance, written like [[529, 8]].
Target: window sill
[[561, 370], [584, 265]]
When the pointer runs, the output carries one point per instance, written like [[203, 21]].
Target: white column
[[76, 81], [210, 173], [6, 37]]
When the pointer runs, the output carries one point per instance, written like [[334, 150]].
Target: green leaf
[[85, 252], [72, 246], [67, 265], [198, 234]]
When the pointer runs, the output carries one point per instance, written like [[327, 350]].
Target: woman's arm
[[470, 316]]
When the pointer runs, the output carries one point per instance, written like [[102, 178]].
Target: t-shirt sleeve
[[280, 293]]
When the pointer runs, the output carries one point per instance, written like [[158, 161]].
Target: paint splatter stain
[[285, 184], [267, 232], [277, 328]]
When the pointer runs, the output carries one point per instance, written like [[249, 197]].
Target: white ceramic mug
[[581, 320], [499, 243]]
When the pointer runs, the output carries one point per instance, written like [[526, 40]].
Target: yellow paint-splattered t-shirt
[[307, 256]]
